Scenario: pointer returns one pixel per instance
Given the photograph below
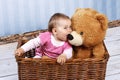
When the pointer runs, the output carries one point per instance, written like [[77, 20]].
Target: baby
[[53, 43]]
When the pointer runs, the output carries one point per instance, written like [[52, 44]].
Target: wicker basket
[[38, 69]]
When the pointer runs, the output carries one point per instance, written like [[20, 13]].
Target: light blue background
[[19, 16]]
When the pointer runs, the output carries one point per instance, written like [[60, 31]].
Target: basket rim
[[23, 59], [70, 61]]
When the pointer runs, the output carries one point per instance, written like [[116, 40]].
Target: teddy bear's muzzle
[[75, 39], [69, 37]]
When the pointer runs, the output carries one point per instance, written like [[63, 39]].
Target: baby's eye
[[65, 27]]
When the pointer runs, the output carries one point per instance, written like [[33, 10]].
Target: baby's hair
[[53, 20]]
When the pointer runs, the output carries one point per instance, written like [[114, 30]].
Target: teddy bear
[[89, 29]]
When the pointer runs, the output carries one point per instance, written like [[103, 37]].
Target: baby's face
[[62, 29]]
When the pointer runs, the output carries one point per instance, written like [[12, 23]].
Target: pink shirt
[[47, 48], [45, 44]]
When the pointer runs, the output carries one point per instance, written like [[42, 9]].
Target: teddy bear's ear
[[77, 9], [103, 20]]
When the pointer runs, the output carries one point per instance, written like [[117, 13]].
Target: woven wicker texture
[[48, 69], [37, 69]]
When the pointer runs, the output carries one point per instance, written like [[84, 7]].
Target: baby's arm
[[33, 43], [68, 53]]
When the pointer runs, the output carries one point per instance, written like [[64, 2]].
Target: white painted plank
[[7, 50], [113, 47], [7, 60], [13, 77], [113, 31], [112, 41], [113, 77], [112, 38], [113, 66], [8, 67]]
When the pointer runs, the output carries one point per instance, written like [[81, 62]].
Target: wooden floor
[[8, 66]]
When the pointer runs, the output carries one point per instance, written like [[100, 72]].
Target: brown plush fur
[[93, 26]]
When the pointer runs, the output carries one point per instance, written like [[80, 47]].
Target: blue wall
[[19, 16]]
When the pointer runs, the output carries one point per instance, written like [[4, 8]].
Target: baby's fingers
[[17, 53], [61, 60], [58, 60]]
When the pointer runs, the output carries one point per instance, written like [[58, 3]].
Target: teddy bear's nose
[[69, 37]]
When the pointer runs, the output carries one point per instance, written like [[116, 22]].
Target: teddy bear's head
[[89, 27]]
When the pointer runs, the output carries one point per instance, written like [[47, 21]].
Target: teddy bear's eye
[[81, 33]]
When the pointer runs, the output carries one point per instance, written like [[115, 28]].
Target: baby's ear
[[103, 20], [54, 30]]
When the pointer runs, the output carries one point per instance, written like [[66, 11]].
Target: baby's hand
[[19, 51], [61, 59]]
